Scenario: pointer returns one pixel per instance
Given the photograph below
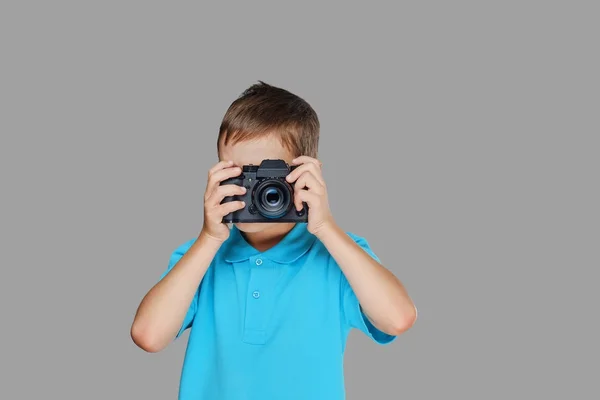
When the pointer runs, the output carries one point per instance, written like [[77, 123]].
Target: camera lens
[[273, 198]]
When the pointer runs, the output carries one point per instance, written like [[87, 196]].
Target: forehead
[[254, 151]]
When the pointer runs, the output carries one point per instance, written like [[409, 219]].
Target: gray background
[[463, 138]]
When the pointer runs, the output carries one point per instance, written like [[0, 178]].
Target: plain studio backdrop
[[460, 139]]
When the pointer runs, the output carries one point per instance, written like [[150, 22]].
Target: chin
[[253, 227]]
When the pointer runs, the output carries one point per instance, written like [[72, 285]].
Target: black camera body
[[269, 197]]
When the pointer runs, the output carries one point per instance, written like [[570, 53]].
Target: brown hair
[[262, 110]]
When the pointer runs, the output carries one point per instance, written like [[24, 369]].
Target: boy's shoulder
[[358, 239], [182, 248], [363, 243]]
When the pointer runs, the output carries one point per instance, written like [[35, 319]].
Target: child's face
[[253, 152]]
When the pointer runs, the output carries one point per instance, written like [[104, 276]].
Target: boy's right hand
[[214, 211]]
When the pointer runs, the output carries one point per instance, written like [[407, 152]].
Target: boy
[[270, 305]]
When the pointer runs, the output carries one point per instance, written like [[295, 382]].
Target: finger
[[295, 174], [228, 208], [298, 199], [307, 159], [224, 191], [220, 165], [307, 197], [308, 180], [219, 176], [309, 167]]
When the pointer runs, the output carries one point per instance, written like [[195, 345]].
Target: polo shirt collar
[[293, 246]]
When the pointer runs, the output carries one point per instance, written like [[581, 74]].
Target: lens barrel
[[273, 198]]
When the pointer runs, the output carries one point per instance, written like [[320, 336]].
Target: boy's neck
[[263, 241]]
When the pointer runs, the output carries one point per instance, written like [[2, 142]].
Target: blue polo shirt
[[271, 325]]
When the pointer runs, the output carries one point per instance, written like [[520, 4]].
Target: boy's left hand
[[309, 187]]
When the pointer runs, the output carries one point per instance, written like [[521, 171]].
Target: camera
[[269, 197]]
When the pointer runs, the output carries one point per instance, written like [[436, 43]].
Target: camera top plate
[[268, 169]]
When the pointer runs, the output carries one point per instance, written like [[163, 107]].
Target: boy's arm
[[162, 311], [381, 295]]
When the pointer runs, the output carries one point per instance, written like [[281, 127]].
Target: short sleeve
[[353, 315], [191, 313]]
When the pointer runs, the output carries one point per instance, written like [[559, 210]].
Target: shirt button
[[258, 261], [256, 294]]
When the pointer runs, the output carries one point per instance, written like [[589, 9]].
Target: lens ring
[[273, 198]]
